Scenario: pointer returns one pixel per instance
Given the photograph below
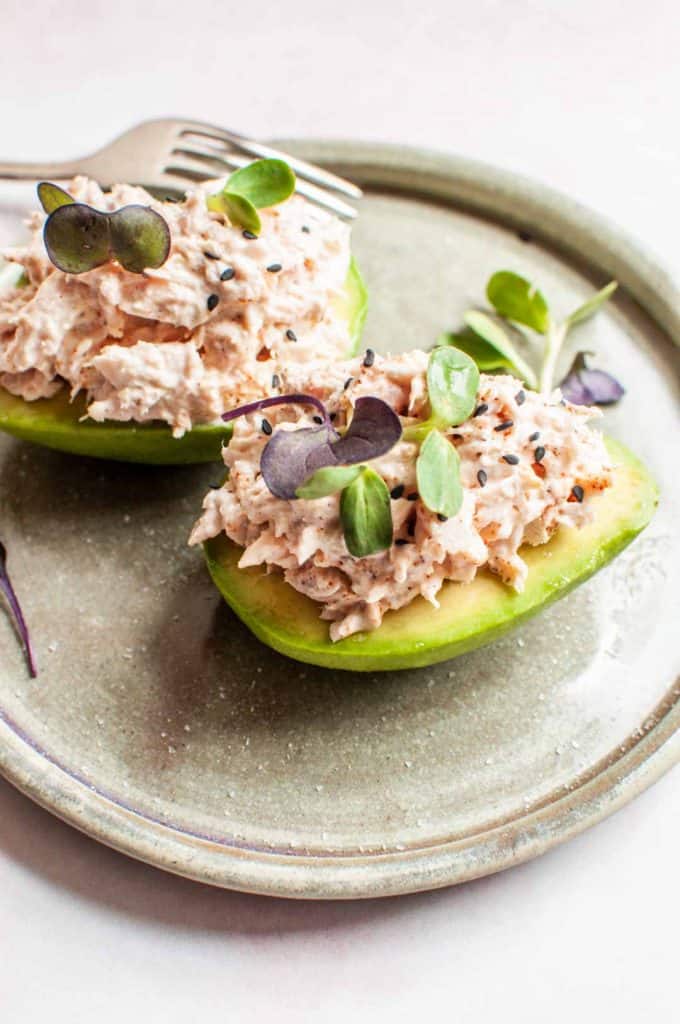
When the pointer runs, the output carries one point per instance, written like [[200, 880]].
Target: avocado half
[[469, 615], [56, 422]]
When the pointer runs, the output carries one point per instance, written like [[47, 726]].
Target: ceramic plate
[[161, 727]]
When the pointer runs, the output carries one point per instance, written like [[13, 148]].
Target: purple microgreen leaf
[[583, 386], [77, 238], [140, 238], [266, 403], [293, 456], [8, 590], [52, 197], [375, 428]]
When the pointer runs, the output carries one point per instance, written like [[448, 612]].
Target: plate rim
[[575, 231]]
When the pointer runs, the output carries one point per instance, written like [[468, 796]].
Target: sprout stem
[[265, 403], [555, 339]]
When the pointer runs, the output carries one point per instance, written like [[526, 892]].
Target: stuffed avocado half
[[470, 614], [158, 316], [394, 511], [63, 425]]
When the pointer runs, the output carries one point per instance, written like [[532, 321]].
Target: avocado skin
[[56, 422], [470, 614]]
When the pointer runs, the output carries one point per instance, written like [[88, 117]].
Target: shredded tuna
[[517, 505], [147, 346]]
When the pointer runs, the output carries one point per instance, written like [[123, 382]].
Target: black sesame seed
[[214, 487], [291, 335], [505, 425], [535, 436], [276, 380], [305, 229], [249, 235], [520, 397], [442, 518], [512, 460], [481, 409], [525, 236], [347, 383], [397, 492], [212, 301], [539, 453], [369, 358], [227, 274], [266, 427], [413, 496], [481, 477], [210, 256], [578, 492], [317, 419], [400, 541], [333, 417], [274, 268]]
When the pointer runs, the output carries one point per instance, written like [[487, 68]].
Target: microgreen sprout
[[488, 339], [315, 462], [7, 589], [251, 188], [79, 238]]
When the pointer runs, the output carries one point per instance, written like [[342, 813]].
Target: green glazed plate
[[161, 726]]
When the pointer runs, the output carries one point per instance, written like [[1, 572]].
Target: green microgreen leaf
[[485, 356], [438, 475], [52, 196], [238, 209], [517, 299], [452, 384], [140, 238], [327, 480], [591, 307], [255, 187], [366, 514], [77, 238], [265, 182], [493, 339]]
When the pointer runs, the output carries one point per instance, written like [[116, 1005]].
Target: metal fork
[[166, 154]]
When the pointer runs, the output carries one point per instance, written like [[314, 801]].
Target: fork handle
[[38, 172]]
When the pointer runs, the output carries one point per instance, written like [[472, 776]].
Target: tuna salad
[[181, 343], [527, 464]]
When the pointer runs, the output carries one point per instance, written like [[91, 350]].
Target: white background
[[582, 95]]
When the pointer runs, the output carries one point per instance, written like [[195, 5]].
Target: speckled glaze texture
[[160, 726]]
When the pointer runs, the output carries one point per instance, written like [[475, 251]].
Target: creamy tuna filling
[[514, 493], [152, 346]]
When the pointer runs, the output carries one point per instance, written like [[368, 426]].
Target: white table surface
[[582, 95]]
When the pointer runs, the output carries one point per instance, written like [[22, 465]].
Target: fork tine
[[197, 163], [303, 169]]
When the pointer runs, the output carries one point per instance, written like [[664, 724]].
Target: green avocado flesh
[[56, 422], [469, 615]]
